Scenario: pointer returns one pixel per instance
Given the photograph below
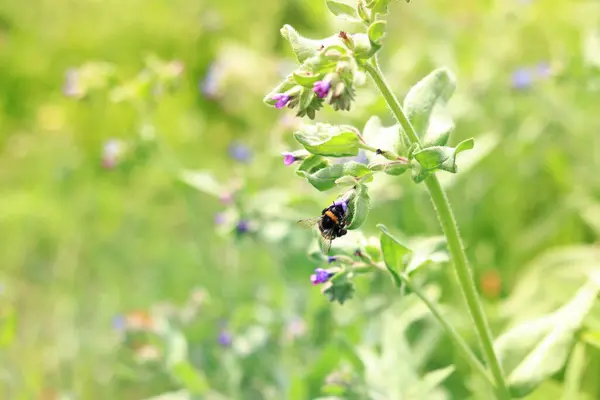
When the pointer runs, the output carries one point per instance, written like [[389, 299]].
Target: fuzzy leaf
[[376, 31], [305, 78], [437, 87], [394, 253], [325, 179], [287, 84], [358, 207], [439, 130], [342, 10], [312, 164], [385, 138], [535, 350], [379, 6], [340, 289], [425, 250], [305, 48], [441, 157], [328, 140]]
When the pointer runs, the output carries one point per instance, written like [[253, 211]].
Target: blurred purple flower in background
[[119, 323], [209, 86], [219, 218], [225, 338], [242, 226], [522, 78], [240, 152]]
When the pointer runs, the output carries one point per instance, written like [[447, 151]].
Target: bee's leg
[[343, 232], [323, 212]]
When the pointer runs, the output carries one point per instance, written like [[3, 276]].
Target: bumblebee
[[331, 223]]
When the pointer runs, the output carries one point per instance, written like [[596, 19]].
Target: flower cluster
[[329, 75]]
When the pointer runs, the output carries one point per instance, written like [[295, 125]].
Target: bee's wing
[[309, 222], [325, 244]]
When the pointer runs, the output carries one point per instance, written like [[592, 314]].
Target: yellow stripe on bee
[[332, 216]]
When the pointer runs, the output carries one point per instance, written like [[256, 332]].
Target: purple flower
[[543, 70], [522, 78], [288, 158], [119, 323], [342, 203], [209, 86], [240, 152], [331, 259], [219, 218], [225, 338], [320, 276], [243, 226], [321, 88], [281, 100]]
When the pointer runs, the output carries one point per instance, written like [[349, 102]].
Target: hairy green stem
[[459, 258], [454, 335]]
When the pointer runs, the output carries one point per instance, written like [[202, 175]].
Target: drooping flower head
[[321, 88], [288, 158], [320, 276], [281, 100]]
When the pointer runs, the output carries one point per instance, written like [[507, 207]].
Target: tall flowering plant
[[327, 74]]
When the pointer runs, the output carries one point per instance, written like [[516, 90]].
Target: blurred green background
[[88, 249]]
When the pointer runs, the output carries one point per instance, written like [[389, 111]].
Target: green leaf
[[439, 130], [380, 137], [441, 157], [342, 10], [424, 250], [306, 97], [203, 181], [436, 87], [535, 350], [591, 338], [312, 164], [376, 31], [394, 253], [8, 325], [305, 48], [340, 290], [287, 84], [396, 168], [328, 140], [325, 179], [306, 78], [190, 378], [379, 6], [358, 207], [575, 372]]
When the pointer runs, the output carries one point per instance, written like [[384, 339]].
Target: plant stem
[[459, 258], [454, 335]]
